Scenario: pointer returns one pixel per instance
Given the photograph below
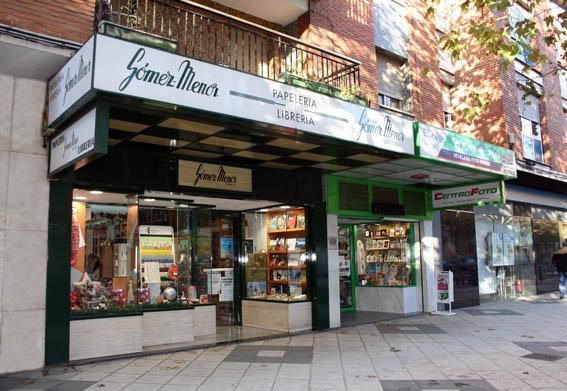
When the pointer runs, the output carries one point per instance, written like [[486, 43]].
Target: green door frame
[[350, 227]]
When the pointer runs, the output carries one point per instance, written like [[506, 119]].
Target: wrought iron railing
[[215, 37]]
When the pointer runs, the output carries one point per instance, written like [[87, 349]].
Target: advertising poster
[[221, 281], [444, 287], [508, 249], [156, 245], [226, 247], [496, 249]]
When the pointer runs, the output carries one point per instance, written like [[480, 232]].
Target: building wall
[[24, 198], [347, 28], [71, 20], [424, 65]]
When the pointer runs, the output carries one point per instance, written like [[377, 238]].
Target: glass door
[[346, 283]]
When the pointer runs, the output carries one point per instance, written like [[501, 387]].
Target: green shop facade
[[223, 204]]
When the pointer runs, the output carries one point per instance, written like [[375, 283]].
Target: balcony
[[215, 37]]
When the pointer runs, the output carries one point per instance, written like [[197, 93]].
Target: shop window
[[103, 255], [353, 196], [277, 255], [414, 203], [383, 255]]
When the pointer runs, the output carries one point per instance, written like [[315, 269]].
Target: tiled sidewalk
[[514, 345]]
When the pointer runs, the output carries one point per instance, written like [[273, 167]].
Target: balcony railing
[[217, 38]]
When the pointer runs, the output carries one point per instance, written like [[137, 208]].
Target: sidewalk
[[514, 345]]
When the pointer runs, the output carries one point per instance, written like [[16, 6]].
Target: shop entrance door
[[215, 249]]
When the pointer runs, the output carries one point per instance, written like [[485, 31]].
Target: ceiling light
[[149, 199], [183, 205], [285, 207], [95, 192], [264, 210], [80, 198]]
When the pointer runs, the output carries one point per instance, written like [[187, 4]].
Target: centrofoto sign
[[468, 195], [128, 68], [214, 176]]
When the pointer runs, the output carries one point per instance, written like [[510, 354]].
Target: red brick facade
[[347, 28], [70, 20]]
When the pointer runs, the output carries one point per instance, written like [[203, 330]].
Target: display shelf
[[286, 241]]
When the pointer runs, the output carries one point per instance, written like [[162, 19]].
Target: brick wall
[[554, 128], [70, 20], [424, 65], [73, 20], [345, 27]]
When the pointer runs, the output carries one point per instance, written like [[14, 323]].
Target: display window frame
[[412, 259], [277, 259]]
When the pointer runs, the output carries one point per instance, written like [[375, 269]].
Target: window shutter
[[390, 80]]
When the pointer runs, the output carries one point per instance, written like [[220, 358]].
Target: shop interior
[[134, 253], [373, 254]]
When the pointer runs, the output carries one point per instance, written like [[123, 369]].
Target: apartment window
[[393, 80], [518, 14], [447, 91], [532, 147]]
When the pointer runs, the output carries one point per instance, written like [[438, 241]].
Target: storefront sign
[[128, 68], [467, 195], [79, 143], [441, 144], [72, 82], [213, 176]]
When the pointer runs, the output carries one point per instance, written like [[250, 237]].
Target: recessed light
[[96, 192], [149, 199], [80, 198]]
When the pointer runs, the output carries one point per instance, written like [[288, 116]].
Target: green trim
[[333, 199], [57, 299], [353, 269]]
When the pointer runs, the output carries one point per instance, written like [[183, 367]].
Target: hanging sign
[[72, 82], [468, 195], [442, 144], [83, 141], [131, 69], [214, 176]]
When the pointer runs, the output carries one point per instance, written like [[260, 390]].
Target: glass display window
[[383, 255], [103, 254], [277, 254]]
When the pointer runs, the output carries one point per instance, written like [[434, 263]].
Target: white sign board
[[131, 69], [221, 281], [445, 287], [467, 195], [74, 143], [214, 176], [72, 82]]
